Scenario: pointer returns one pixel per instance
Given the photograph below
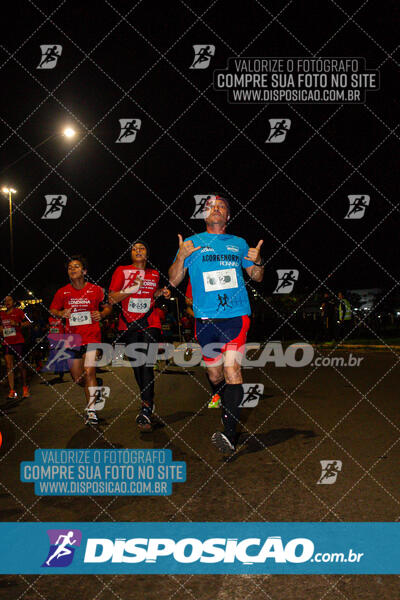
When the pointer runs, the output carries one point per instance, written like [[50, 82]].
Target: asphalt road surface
[[306, 415]]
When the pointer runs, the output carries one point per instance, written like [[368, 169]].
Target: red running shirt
[[56, 325], [135, 306], [82, 303], [12, 333], [156, 317]]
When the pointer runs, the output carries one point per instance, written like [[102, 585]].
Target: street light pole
[[11, 232], [10, 191], [178, 315], [68, 132]]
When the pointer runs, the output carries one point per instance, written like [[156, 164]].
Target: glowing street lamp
[[69, 132], [9, 191]]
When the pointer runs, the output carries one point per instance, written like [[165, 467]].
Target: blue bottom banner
[[196, 548]]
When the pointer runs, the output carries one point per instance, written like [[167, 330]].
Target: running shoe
[[223, 443], [144, 420], [25, 392], [91, 417], [215, 401], [12, 395]]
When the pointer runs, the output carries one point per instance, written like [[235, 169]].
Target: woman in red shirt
[[136, 287], [11, 322], [82, 306]]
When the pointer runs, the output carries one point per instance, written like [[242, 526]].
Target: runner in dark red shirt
[[55, 333], [56, 325], [156, 318], [82, 306], [11, 322], [136, 287]]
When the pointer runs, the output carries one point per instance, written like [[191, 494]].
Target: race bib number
[[9, 331], [139, 305], [224, 279], [80, 318]]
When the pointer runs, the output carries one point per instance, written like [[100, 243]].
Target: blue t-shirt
[[219, 291]]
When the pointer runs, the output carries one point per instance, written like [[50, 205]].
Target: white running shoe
[[223, 444]]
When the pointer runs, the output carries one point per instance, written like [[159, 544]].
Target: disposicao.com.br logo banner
[[196, 548]]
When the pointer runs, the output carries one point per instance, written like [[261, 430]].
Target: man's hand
[[186, 248], [254, 253], [177, 270], [65, 314], [96, 316]]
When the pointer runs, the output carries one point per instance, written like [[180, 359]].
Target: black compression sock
[[233, 396], [217, 388]]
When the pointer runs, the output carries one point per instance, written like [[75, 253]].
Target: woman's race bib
[[139, 305], [9, 331]]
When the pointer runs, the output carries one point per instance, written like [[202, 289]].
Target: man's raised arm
[[177, 270]]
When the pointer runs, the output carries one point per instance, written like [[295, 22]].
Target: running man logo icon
[[100, 395], [54, 206], [357, 206], [252, 394], [223, 302], [59, 354], [50, 55], [129, 129], [330, 470], [130, 275], [63, 543], [279, 129], [202, 206], [286, 280], [202, 56]]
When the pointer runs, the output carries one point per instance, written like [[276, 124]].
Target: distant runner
[[11, 322], [82, 305]]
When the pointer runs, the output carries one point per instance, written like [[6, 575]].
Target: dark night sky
[[192, 141]]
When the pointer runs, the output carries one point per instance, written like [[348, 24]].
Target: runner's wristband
[[262, 264]]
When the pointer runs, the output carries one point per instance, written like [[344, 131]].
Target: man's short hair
[[218, 197]]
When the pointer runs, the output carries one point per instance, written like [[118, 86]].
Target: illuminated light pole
[[9, 191], [178, 315], [67, 132]]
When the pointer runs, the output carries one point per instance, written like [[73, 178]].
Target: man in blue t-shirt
[[216, 260]]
